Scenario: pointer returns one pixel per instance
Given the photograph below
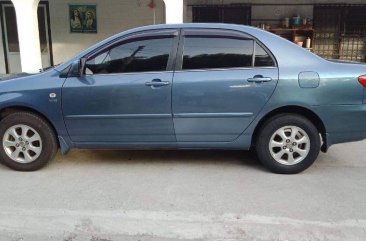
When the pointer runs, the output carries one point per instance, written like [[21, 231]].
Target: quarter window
[[141, 55], [217, 52], [262, 58]]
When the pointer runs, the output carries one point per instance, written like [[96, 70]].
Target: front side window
[[142, 55], [217, 52]]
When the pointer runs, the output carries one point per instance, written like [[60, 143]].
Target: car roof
[[237, 27], [196, 25]]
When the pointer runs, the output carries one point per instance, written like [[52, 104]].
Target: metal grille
[[353, 38], [327, 21], [340, 32], [238, 14]]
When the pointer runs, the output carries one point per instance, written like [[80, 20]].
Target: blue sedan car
[[190, 86]]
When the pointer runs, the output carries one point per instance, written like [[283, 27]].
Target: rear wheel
[[288, 144], [28, 141]]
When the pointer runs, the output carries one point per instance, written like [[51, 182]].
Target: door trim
[[119, 116], [49, 37], [212, 115]]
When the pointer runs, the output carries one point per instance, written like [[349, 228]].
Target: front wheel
[[288, 144], [28, 141]]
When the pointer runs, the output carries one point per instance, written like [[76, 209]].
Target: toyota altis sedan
[[190, 86]]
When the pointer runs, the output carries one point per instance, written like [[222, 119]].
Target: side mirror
[[77, 68], [74, 70], [82, 66]]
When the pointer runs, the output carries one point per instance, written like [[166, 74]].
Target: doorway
[[236, 14], [11, 40]]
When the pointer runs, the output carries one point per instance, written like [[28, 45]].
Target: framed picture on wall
[[83, 18]]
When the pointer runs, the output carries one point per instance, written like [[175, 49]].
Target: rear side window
[[140, 55], [217, 52], [262, 58]]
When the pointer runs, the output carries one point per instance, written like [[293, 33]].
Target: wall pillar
[[174, 11], [28, 33]]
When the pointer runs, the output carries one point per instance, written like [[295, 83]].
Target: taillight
[[362, 80]]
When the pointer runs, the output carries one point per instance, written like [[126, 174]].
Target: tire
[[21, 148], [281, 156]]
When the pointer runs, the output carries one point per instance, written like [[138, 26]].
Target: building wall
[[277, 13], [328, 42], [113, 16], [118, 15], [190, 2], [266, 10]]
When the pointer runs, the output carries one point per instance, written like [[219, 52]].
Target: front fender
[[41, 93]]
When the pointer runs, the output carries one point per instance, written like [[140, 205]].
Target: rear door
[[222, 80]]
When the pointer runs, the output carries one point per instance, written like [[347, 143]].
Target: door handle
[[157, 83], [259, 79]]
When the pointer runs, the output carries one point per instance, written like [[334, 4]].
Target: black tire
[[45, 131], [270, 127]]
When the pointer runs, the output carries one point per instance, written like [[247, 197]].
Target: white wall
[[113, 16]]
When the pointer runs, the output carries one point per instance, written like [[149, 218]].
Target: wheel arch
[[17, 108], [294, 109]]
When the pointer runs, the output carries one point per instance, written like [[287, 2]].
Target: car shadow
[[132, 157]]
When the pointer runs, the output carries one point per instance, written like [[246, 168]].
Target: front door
[[125, 94], [223, 81], [10, 31]]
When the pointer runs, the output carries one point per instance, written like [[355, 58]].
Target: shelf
[[290, 29]]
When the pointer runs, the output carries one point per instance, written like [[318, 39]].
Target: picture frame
[[83, 18]]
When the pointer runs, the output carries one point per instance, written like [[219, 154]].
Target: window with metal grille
[[340, 32], [237, 14]]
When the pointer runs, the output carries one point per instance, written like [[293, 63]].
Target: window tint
[[136, 56], [215, 52], [262, 58]]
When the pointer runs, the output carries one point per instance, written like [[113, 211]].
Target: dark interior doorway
[[237, 14]]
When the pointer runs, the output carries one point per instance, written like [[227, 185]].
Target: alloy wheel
[[289, 145], [22, 143]]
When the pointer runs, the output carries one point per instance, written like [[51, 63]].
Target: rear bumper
[[343, 123], [336, 138]]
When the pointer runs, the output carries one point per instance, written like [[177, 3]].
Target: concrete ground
[[185, 195]]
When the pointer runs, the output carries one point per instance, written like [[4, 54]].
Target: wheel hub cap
[[289, 145], [22, 143]]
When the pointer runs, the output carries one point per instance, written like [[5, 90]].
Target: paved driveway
[[185, 195]]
